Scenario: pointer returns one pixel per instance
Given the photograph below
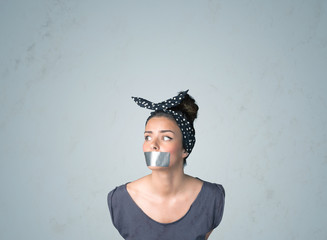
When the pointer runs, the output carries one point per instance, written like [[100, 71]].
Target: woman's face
[[163, 135]]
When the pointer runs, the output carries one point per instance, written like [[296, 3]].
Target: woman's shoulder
[[116, 193], [215, 199], [213, 188], [137, 185], [194, 184], [212, 200], [130, 186]]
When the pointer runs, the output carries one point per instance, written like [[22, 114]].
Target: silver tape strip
[[157, 159]]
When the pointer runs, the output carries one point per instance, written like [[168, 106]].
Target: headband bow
[[165, 106], [171, 102]]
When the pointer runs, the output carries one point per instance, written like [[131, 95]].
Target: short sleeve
[[219, 205], [110, 205]]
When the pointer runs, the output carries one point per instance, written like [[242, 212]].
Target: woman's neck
[[167, 182]]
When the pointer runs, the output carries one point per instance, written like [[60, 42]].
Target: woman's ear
[[185, 154]]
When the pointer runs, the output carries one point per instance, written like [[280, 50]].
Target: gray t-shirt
[[203, 216]]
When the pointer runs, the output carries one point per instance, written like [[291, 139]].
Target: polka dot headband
[[185, 126]]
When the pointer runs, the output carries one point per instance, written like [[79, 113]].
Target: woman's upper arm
[[208, 234]]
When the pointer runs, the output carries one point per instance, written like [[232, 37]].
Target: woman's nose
[[155, 145]]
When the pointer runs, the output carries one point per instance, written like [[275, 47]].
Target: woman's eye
[[147, 138], [166, 138]]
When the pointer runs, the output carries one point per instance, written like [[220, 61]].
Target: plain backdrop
[[70, 132]]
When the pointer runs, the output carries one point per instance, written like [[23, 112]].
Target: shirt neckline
[[165, 224]]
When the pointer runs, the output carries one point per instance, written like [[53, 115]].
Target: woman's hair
[[187, 107]]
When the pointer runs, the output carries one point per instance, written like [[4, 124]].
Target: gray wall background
[[69, 131]]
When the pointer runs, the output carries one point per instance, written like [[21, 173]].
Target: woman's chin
[[156, 168]]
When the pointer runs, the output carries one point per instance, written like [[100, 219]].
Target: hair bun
[[188, 107]]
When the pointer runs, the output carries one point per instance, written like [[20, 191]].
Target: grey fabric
[[203, 216]]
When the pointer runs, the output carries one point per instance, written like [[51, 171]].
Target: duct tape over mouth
[[157, 159]]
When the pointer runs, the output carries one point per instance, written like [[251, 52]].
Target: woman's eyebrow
[[161, 131], [164, 131]]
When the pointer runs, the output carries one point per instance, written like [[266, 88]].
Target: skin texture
[[167, 193]]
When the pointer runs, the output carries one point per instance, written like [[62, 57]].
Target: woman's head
[[183, 116]]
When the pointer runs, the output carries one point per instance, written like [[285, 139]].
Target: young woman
[[167, 204]]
